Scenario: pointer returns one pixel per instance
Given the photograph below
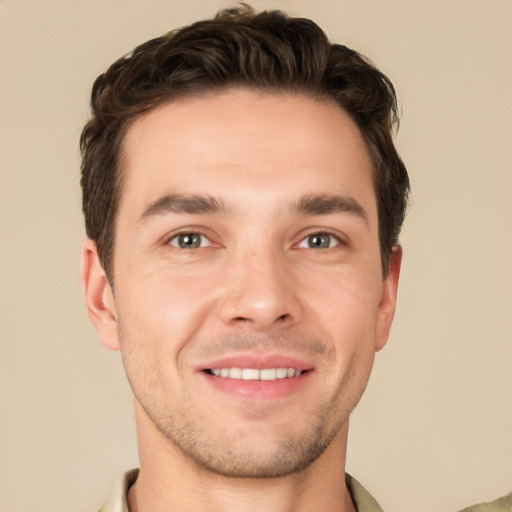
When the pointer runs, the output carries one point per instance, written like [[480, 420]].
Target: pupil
[[317, 241], [187, 241]]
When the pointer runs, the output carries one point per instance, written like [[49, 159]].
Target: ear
[[99, 296], [388, 300]]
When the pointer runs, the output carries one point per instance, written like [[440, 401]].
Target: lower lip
[[258, 389]]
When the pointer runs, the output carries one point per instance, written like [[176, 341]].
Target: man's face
[[249, 299]]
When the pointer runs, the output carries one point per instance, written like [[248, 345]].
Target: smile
[[255, 374]]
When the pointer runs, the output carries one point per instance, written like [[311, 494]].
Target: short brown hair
[[266, 51]]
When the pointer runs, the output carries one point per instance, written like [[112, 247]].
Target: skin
[[255, 287]]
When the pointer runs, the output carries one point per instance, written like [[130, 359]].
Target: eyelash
[[320, 233], [176, 236]]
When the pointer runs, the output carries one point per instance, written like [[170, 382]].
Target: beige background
[[434, 431]]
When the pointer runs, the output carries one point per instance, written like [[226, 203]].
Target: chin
[[270, 454]]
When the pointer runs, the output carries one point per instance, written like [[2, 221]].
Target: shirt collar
[[117, 502]]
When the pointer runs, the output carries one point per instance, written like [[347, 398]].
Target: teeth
[[268, 374], [249, 374], [235, 373], [281, 373], [255, 374]]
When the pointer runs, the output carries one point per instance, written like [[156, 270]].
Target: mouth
[[256, 377], [266, 374]]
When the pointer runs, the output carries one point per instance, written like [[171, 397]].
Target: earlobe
[[99, 296], [388, 300]]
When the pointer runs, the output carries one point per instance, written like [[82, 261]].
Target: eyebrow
[[326, 204], [179, 203]]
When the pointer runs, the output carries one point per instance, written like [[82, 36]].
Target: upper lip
[[258, 361]]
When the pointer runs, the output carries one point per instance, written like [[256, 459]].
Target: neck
[[169, 481]]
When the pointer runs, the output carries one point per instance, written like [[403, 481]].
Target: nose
[[261, 293]]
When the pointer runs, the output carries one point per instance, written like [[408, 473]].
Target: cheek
[[151, 325], [164, 308], [345, 310], [346, 302]]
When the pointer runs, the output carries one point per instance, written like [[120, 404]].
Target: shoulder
[[117, 501], [503, 504], [362, 499]]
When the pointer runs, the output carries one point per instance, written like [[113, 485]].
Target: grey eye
[[188, 241], [319, 241]]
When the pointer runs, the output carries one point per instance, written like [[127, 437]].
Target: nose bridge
[[260, 291]]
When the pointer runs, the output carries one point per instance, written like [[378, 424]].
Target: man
[[243, 201]]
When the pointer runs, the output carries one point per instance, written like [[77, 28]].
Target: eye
[[189, 241], [320, 241]]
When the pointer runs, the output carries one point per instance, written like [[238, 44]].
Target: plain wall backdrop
[[434, 429]]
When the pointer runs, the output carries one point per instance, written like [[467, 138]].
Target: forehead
[[241, 144]]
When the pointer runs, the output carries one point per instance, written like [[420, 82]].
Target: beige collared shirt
[[117, 501], [363, 500]]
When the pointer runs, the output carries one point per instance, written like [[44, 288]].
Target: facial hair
[[234, 454]]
